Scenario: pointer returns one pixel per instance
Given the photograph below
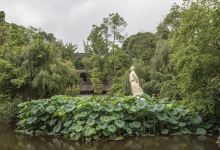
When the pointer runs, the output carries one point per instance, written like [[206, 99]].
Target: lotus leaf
[[105, 118], [129, 131], [133, 109], [72, 134], [61, 112], [109, 108], [67, 123], [141, 104], [112, 128], [50, 109], [90, 131], [119, 123], [69, 108], [182, 124], [77, 137], [57, 128], [165, 131], [126, 106], [201, 131], [31, 120], [78, 128], [52, 122], [45, 117], [173, 120], [83, 114], [152, 108], [35, 109], [162, 116], [90, 122], [160, 107], [80, 122], [102, 125], [185, 131], [136, 124], [118, 107], [93, 115]]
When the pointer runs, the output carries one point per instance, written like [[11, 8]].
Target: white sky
[[71, 20]]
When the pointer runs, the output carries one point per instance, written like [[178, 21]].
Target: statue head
[[132, 68]]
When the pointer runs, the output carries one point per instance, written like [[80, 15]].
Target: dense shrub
[[9, 110], [97, 118]]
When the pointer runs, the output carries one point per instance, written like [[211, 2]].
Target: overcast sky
[[71, 20]]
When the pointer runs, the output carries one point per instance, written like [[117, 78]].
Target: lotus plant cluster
[[100, 118]]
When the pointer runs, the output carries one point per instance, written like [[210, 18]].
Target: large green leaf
[[173, 120], [105, 118], [31, 120], [185, 131], [67, 123], [119, 123], [83, 114], [136, 124], [57, 128], [112, 128], [78, 128], [50, 109], [93, 115], [45, 117], [80, 122], [35, 109], [109, 108], [69, 107], [129, 131], [182, 124], [90, 131], [162, 116], [90, 122], [201, 131], [52, 122], [141, 104], [102, 125], [117, 107]]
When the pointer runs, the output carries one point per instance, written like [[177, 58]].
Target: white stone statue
[[135, 86]]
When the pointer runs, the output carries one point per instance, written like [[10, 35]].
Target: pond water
[[9, 140]]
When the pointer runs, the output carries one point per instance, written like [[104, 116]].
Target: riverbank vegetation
[[98, 118]]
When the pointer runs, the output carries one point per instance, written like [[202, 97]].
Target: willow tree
[[33, 64]]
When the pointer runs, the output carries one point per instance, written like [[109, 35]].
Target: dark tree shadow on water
[[9, 140]]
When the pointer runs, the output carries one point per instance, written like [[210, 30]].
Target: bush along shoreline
[[107, 118]]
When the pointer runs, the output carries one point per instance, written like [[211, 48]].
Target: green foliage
[[104, 59], [9, 110], [2, 16], [140, 46], [73, 91], [97, 118], [33, 64]]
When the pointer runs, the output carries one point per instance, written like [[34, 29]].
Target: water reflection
[[11, 141]]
